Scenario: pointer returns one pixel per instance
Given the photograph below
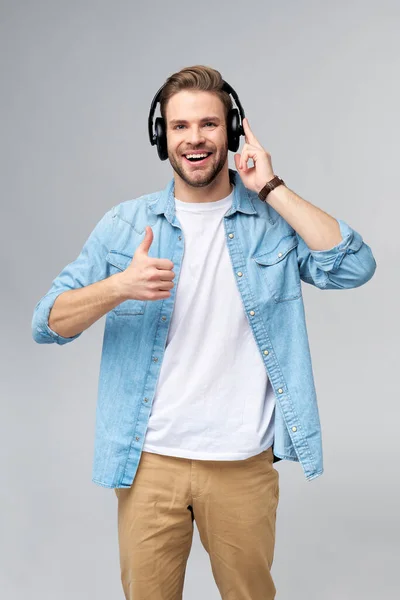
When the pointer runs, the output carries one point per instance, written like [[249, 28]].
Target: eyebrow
[[178, 121]]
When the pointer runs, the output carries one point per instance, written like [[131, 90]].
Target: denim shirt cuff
[[44, 329], [330, 259]]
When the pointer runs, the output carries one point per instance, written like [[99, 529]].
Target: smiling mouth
[[197, 161]]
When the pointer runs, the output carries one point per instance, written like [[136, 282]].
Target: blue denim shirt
[[269, 261]]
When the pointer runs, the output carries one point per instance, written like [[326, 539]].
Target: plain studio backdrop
[[319, 83]]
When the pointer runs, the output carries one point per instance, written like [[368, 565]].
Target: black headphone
[[234, 126]]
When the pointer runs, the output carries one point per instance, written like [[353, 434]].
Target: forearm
[[319, 230], [75, 310]]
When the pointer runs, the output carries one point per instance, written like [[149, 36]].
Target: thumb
[[148, 238]]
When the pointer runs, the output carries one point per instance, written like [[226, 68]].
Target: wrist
[[118, 287], [269, 186], [259, 188]]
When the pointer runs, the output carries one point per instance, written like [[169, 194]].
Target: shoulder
[[135, 212]]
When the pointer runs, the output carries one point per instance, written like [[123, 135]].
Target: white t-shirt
[[213, 399]]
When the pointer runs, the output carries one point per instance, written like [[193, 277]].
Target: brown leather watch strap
[[269, 186]]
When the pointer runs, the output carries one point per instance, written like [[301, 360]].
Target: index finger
[[162, 263], [249, 135]]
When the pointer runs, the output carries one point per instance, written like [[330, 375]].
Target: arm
[[78, 308], [319, 230], [331, 255]]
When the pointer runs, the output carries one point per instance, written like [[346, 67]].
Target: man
[[206, 376]]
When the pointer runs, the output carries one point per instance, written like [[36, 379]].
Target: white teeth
[[196, 155]]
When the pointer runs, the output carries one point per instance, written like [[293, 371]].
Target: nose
[[196, 136]]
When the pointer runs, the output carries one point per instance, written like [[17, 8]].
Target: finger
[[250, 135], [165, 275], [155, 283], [242, 160], [165, 285], [162, 263], [144, 246]]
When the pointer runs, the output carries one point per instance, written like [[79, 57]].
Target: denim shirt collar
[[242, 201]]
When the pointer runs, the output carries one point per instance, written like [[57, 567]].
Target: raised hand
[[147, 278]]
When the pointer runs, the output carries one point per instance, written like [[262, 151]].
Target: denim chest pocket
[[118, 262], [280, 269]]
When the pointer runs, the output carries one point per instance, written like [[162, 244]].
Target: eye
[[181, 125]]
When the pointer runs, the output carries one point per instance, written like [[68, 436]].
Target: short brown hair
[[198, 77]]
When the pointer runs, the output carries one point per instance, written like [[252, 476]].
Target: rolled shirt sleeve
[[349, 264], [90, 266]]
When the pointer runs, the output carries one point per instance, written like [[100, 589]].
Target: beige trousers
[[234, 504]]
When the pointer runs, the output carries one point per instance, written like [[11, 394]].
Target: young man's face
[[201, 126]]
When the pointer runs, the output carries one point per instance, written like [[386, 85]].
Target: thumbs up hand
[[147, 278]]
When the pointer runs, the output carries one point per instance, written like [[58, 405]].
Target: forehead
[[193, 105]]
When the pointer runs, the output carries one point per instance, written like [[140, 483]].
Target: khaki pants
[[234, 504]]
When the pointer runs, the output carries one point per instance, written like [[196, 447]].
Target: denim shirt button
[[231, 235], [252, 313], [240, 273], [155, 359], [280, 390], [266, 352], [294, 428], [164, 318]]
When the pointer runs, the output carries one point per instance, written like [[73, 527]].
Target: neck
[[219, 188]]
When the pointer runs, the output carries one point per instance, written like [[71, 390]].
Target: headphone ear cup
[[233, 125], [161, 138]]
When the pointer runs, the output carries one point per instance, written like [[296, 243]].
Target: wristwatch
[[269, 186]]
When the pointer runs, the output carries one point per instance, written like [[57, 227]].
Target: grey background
[[319, 83]]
